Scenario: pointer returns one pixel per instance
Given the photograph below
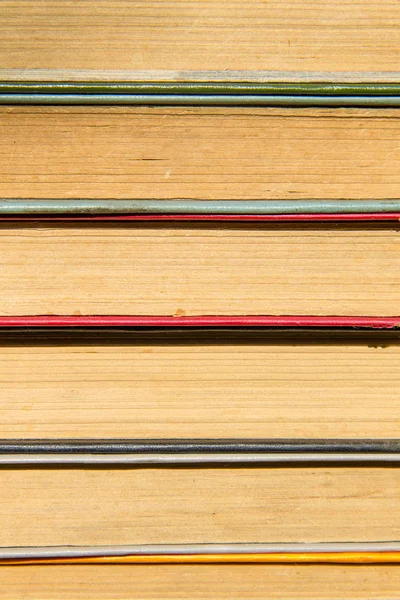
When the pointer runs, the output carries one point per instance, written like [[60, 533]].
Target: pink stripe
[[212, 217], [200, 321]]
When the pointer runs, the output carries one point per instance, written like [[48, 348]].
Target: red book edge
[[199, 321]]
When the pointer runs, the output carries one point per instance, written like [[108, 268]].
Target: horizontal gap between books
[[208, 336]]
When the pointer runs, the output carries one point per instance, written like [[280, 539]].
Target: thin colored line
[[163, 459], [80, 206], [200, 88], [339, 552], [276, 558], [395, 216], [198, 100], [198, 445], [200, 321], [179, 550]]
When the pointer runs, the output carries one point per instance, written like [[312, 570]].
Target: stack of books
[[199, 299]]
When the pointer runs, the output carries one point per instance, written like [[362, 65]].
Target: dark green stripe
[[189, 88]]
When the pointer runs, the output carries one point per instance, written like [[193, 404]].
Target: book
[[199, 152], [73, 506], [199, 269], [201, 582], [104, 506], [182, 40], [203, 384]]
